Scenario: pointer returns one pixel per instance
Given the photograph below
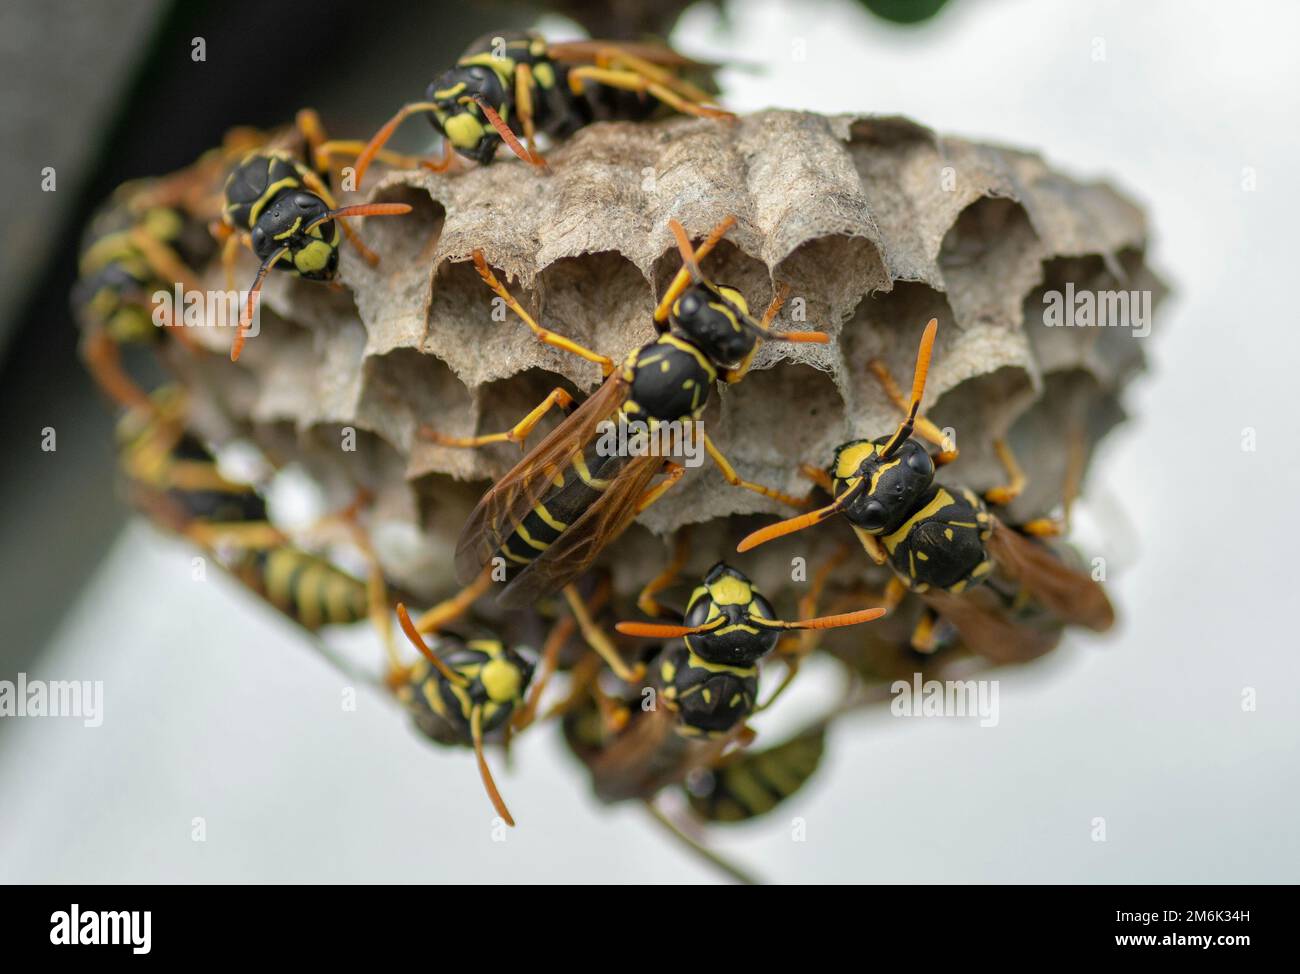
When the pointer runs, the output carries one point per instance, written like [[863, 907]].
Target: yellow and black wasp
[[460, 691], [509, 87], [173, 478], [546, 520], [278, 202], [151, 236], [944, 544], [711, 679]]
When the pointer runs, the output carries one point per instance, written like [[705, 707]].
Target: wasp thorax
[[712, 321]]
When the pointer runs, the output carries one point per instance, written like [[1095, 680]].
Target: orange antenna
[[789, 526], [655, 630], [434, 659], [918, 389]]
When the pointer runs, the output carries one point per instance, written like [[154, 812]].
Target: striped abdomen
[[583, 482], [758, 781], [305, 587]]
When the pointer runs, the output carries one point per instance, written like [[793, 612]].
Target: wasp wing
[[518, 492], [1070, 595], [575, 550], [988, 630]]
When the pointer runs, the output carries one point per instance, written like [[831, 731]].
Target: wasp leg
[[1048, 527], [560, 634], [1006, 493], [733, 376], [646, 600], [545, 335], [733, 478], [818, 476], [380, 138], [524, 108], [795, 648], [516, 434], [449, 610], [616, 57], [922, 639], [682, 279], [631, 80], [924, 427], [675, 473], [699, 848], [598, 640], [104, 360], [254, 536]]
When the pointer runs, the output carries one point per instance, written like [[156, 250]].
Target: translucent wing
[[1070, 595], [988, 630], [518, 492], [574, 551]]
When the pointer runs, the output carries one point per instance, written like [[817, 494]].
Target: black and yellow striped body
[[728, 594], [305, 587], [577, 487], [266, 195], [933, 535], [941, 545], [497, 679], [115, 278], [668, 380], [488, 70], [710, 699], [756, 782]]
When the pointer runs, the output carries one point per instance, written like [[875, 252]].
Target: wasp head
[[459, 118], [293, 220], [712, 319], [737, 641], [891, 486]]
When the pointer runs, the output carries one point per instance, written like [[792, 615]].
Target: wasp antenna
[[791, 525], [837, 621], [919, 376], [434, 659], [380, 138], [690, 260], [509, 137], [655, 630], [476, 732], [246, 318]]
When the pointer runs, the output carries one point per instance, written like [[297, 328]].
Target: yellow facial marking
[[501, 680]]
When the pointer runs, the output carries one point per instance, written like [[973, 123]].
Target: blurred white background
[[216, 709]]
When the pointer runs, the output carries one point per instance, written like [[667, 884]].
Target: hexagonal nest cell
[[876, 224]]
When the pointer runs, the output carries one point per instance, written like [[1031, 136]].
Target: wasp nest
[[876, 223]]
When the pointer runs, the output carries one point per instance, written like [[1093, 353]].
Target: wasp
[[277, 201], [173, 478], [150, 236], [547, 519], [508, 87], [711, 679], [461, 690], [943, 543]]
